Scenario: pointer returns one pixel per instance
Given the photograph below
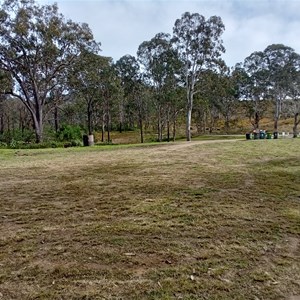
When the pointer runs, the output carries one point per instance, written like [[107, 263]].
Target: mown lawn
[[199, 220]]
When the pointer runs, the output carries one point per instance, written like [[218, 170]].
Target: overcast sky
[[250, 25]]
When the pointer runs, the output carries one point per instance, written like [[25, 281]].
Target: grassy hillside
[[199, 220]]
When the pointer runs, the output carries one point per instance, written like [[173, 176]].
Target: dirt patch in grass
[[200, 220]]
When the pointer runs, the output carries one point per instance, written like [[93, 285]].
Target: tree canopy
[[37, 45], [199, 44], [54, 68]]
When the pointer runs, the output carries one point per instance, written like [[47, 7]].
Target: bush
[[44, 145], [18, 135], [3, 145], [76, 143], [69, 133], [22, 145], [73, 143], [14, 144]]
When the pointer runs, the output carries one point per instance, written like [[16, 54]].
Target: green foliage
[[271, 74], [68, 136], [73, 143], [25, 135], [199, 44], [35, 37], [14, 144], [69, 133], [3, 145]]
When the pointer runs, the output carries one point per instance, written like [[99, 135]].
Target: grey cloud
[[251, 25]]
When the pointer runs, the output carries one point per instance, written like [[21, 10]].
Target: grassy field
[[199, 220]]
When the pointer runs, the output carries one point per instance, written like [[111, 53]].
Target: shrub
[[22, 145], [69, 133], [14, 144], [3, 145], [76, 143], [44, 145], [25, 135]]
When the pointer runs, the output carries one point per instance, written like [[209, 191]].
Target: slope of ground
[[199, 220]]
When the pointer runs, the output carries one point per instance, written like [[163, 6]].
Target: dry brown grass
[[200, 220]]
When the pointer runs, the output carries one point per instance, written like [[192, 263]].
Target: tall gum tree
[[252, 88], [112, 92], [86, 80], [284, 65], [292, 104], [199, 44], [159, 62], [129, 72], [271, 73], [220, 93], [36, 45]]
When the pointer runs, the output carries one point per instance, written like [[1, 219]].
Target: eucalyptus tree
[[5, 101], [270, 73], [55, 103], [5, 83], [251, 87], [141, 105], [4, 86], [128, 69], [111, 93], [292, 108], [15, 123], [199, 44], [85, 81], [204, 102], [228, 95], [2, 116], [283, 65], [174, 99], [36, 45], [292, 104], [295, 107], [219, 95], [160, 64]]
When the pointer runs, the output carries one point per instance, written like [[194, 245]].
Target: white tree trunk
[[189, 109]]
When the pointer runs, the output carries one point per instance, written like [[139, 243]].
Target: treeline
[[55, 85]]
